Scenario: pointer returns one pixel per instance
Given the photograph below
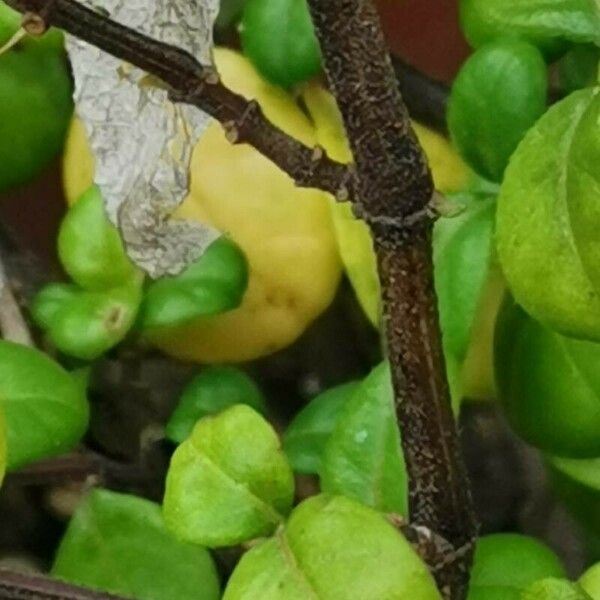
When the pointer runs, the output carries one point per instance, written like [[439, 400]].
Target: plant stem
[[18, 586], [71, 468], [396, 199]]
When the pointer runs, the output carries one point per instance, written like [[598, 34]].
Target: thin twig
[[13, 326], [199, 85], [19, 586], [396, 197], [80, 466]]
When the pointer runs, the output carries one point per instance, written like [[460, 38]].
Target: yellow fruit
[[449, 174], [285, 232]]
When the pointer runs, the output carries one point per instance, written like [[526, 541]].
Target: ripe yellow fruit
[[449, 173], [285, 232]]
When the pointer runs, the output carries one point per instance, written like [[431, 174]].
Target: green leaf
[[119, 544], [363, 457], [279, 38], [462, 249], [577, 483], [506, 563], [45, 407], [90, 247], [86, 324], [229, 482], [538, 246], [485, 126], [305, 438], [548, 384], [583, 189], [214, 390], [215, 283], [590, 581], [554, 589], [578, 68], [332, 548], [544, 23]]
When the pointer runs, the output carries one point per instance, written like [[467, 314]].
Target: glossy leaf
[[306, 436], [538, 246], [37, 105], [214, 390], [119, 543], [549, 385], [85, 324], [278, 36], [332, 548], [90, 247], [590, 581], [46, 410], [545, 23], [485, 126], [215, 283], [229, 482], [363, 457], [554, 589], [505, 564], [583, 188], [462, 249]]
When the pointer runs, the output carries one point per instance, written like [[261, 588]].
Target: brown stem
[[79, 466], [395, 198], [199, 85], [18, 586]]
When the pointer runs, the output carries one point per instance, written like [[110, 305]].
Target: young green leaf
[[578, 68], [462, 249], [505, 564], [332, 548], [214, 390], [305, 439], [86, 324], [485, 126], [279, 38], [215, 283], [90, 247], [590, 581], [45, 407], [363, 457], [229, 482], [554, 589], [549, 385], [544, 23], [119, 543], [540, 250]]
